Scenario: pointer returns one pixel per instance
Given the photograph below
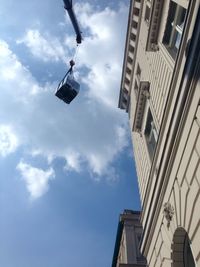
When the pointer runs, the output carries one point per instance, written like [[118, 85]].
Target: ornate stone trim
[[152, 42], [168, 212], [143, 95]]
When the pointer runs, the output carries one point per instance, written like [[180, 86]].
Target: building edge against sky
[[160, 91], [129, 232]]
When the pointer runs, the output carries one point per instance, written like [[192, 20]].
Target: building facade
[[129, 233], [160, 91]]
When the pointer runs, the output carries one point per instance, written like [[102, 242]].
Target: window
[[174, 28], [128, 70], [127, 81], [151, 135], [125, 91], [134, 24], [133, 36], [136, 88], [147, 13], [131, 48], [125, 99], [136, 11], [138, 72], [130, 60], [137, 81]]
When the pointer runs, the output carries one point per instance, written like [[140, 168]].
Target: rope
[[61, 82], [72, 61], [76, 52]]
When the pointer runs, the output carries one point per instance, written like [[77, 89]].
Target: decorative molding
[[131, 47], [168, 212], [154, 24], [143, 95], [145, 92], [154, 47]]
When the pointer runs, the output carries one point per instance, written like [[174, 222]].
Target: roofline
[[119, 233], [125, 50]]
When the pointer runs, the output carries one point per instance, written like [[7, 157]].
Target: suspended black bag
[[68, 88]]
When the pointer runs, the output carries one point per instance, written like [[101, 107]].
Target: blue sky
[[67, 171]]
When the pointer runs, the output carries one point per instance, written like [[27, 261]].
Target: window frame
[[174, 28], [150, 134]]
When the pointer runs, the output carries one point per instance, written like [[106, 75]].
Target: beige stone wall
[[183, 193], [142, 163], [173, 174], [157, 68], [129, 234], [178, 171]]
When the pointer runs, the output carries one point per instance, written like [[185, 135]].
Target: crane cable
[[72, 61], [76, 52]]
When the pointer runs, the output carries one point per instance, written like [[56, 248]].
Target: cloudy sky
[[66, 171]]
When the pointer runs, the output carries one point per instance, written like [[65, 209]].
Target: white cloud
[[99, 162], [37, 180], [102, 51], [89, 133], [16, 80], [43, 47], [73, 161], [8, 140]]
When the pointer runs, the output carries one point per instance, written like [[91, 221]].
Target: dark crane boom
[[68, 6], [69, 88]]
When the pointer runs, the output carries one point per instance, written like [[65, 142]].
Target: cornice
[[134, 4]]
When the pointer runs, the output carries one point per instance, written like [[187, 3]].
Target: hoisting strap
[[76, 52], [72, 63], [69, 71]]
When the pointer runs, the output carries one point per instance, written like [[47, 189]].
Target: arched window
[[181, 250]]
